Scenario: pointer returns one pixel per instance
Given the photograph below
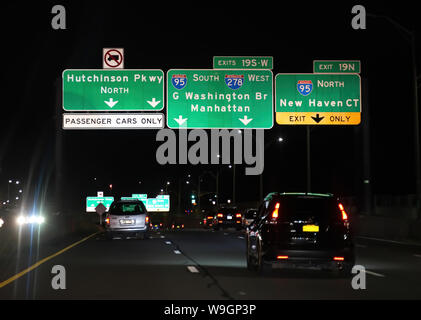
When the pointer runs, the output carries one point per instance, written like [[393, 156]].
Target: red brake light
[[343, 212], [338, 258], [220, 215], [107, 221], [282, 257], [210, 217], [238, 215], [275, 212], [147, 219]]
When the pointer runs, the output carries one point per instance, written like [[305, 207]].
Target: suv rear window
[[130, 208], [228, 211], [296, 208]]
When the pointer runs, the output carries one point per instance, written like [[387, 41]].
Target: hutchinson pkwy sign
[[113, 90]]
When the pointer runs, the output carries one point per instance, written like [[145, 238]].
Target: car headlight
[[30, 220], [1, 222], [21, 220]]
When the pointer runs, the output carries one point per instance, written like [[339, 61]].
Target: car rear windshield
[[296, 208], [127, 209], [228, 211]]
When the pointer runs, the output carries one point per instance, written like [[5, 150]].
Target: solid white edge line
[[192, 269], [375, 274], [391, 241]]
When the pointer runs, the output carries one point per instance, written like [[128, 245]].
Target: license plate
[[229, 217], [126, 221], [310, 228]]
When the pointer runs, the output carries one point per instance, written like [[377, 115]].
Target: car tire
[[262, 266], [251, 263], [344, 272]]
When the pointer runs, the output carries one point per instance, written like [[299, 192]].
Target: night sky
[[187, 35]]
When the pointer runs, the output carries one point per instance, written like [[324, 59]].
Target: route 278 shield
[[234, 81], [304, 87], [179, 81]]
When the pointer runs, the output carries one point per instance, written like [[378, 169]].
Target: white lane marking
[[240, 237], [177, 252], [375, 274], [167, 242], [390, 241], [417, 255], [192, 269], [162, 237]]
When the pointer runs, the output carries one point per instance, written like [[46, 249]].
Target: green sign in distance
[[160, 203], [336, 66], [224, 62], [93, 202], [230, 99], [318, 99], [140, 196], [113, 90]]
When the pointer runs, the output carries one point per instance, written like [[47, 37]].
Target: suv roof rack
[[271, 195]]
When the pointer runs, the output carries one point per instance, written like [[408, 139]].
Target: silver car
[[127, 218]]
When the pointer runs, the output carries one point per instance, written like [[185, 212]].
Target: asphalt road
[[199, 264]]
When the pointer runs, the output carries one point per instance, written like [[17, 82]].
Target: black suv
[[299, 230]]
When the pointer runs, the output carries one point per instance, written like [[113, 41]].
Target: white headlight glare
[[1, 222], [40, 219], [20, 220]]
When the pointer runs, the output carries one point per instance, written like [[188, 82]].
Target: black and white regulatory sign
[[113, 121]]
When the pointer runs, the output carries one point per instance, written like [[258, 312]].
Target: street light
[[411, 35]]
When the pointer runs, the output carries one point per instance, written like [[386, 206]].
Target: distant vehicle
[[249, 216], [208, 220], [300, 230], [127, 218], [177, 226], [13, 214], [228, 217]]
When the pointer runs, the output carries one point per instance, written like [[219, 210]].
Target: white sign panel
[[113, 121]]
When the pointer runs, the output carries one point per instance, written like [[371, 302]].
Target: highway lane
[[203, 264]]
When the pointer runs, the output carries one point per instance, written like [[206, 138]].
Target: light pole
[[411, 35]]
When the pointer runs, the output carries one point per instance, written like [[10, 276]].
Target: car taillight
[[238, 215], [210, 218], [344, 214], [338, 258], [220, 215], [147, 219], [275, 212], [107, 221], [282, 257]]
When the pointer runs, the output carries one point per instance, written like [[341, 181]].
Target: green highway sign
[[140, 196], [93, 202], [224, 62], [220, 99], [318, 99], [336, 66], [113, 90], [158, 204]]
